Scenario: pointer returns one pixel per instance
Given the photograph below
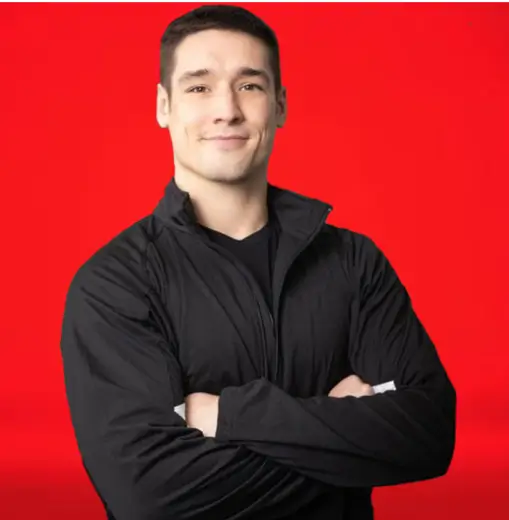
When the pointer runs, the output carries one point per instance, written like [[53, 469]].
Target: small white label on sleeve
[[383, 387], [181, 410]]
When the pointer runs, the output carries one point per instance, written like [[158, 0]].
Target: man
[[237, 298]]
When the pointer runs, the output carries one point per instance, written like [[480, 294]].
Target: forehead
[[222, 51]]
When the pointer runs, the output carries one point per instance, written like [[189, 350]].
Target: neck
[[236, 210]]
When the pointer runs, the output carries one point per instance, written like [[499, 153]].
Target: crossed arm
[[202, 409], [270, 453]]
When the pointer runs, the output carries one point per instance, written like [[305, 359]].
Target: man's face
[[223, 110]]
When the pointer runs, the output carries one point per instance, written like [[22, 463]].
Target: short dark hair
[[225, 17]]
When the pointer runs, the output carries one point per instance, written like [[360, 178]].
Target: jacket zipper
[[278, 293]]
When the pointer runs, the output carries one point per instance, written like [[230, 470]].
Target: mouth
[[227, 142], [226, 138]]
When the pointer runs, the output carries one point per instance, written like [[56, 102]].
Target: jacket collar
[[297, 214]]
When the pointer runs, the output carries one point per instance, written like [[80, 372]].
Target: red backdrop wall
[[398, 116]]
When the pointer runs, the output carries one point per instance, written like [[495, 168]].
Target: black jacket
[[160, 312]]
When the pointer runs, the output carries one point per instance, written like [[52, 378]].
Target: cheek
[[268, 132], [183, 133], [186, 120], [262, 117]]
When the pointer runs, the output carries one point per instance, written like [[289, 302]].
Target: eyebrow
[[250, 72], [242, 72], [190, 74]]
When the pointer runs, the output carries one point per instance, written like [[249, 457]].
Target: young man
[[236, 298]]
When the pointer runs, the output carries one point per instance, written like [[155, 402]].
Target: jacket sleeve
[[398, 436], [122, 383]]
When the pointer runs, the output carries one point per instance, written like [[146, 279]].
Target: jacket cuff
[[226, 415]]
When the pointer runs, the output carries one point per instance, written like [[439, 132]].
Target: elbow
[[446, 454], [441, 449], [137, 504], [431, 463], [437, 458], [433, 454], [447, 442], [128, 493], [438, 465]]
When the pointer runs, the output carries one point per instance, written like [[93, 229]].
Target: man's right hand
[[352, 385]]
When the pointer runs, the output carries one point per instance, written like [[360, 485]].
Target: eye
[[198, 89], [251, 86]]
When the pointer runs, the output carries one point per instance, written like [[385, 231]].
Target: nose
[[226, 108]]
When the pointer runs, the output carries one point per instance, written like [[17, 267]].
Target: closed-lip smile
[[225, 137]]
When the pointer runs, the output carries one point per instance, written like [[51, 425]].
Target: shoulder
[[357, 247], [117, 270], [362, 256]]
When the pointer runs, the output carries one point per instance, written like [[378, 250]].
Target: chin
[[237, 176], [231, 179], [234, 173]]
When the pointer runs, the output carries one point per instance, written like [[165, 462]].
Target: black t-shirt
[[257, 252]]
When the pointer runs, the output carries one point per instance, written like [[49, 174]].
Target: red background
[[398, 116]]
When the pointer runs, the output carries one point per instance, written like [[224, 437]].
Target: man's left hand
[[202, 411]]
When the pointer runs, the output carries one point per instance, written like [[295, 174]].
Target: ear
[[163, 106], [281, 108]]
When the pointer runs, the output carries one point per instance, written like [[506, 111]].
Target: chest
[[226, 334]]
